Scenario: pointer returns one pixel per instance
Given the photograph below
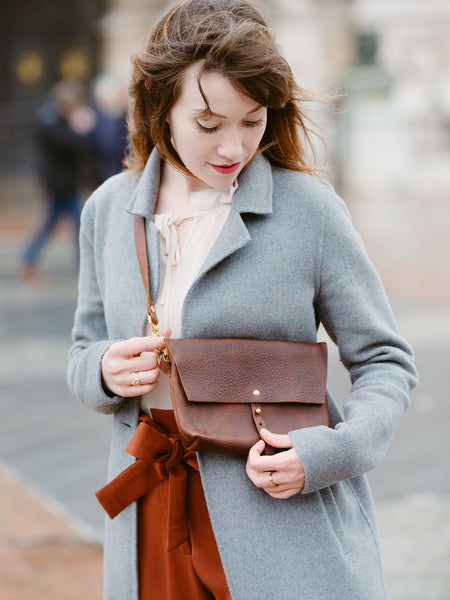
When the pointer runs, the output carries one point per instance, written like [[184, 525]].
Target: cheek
[[197, 145], [255, 138], [194, 151], [255, 135], [187, 141]]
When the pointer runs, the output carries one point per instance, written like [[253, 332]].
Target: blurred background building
[[390, 59], [41, 41]]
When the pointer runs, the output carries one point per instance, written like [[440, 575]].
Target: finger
[[144, 377], [274, 480], [282, 494], [150, 343], [135, 391], [146, 382], [252, 460], [264, 479], [281, 485], [145, 362], [262, 464], [149, 357], [268, 481], [135, 346], [257, 448], [276, 440]]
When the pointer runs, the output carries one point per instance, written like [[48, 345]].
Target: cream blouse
[[180, 265]]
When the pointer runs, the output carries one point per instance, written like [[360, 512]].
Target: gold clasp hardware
[[160, 352], [154, 326]]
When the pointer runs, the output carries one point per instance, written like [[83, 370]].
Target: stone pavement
[[415, 542], [50, 548], [42, 555], [50, 524]]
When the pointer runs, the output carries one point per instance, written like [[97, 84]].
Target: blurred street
[[53, 451]]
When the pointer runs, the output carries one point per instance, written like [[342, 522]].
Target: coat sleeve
[[89, 335], [353, 307]]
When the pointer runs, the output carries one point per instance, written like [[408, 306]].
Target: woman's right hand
[[125, 361]]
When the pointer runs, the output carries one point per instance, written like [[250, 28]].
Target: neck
[[174, 192], [173, 178]]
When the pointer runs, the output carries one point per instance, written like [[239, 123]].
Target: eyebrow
[[207, 112]]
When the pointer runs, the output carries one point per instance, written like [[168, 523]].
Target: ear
[[148, 84]]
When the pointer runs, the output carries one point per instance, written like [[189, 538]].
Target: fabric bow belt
[[150, 444]]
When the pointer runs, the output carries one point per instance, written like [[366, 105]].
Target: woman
[[243, 241]]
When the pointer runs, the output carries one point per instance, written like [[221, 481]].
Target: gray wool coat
[[286, 259]]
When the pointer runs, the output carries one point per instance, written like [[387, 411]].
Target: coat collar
[[254, 194], [146, 192]]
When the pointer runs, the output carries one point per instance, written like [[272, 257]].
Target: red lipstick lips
[[226, 169]]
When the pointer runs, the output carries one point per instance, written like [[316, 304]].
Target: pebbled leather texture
[[225, 390]]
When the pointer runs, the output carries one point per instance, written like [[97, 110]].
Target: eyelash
[[209, 130]]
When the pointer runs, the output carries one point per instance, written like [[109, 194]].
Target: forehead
[[219, 91]]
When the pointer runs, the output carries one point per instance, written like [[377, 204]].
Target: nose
[[231, 146]]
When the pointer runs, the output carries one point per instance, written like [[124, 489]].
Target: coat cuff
[[84, 378], [332, 455]]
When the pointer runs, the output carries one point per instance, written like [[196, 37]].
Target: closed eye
[[205, 129], [249, 124], [257, 123]]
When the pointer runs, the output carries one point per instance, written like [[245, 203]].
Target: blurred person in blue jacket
[[108, 138], [63, 124]]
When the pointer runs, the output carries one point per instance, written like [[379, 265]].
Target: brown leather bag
[[224, 390]]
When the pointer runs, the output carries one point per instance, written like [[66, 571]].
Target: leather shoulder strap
[[142, 256]]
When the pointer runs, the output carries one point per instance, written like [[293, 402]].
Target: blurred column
[[371, 141], [123, 29], [395, 138], [319, 42], [415, 49]]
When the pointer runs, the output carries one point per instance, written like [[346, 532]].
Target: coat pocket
[[334, 502]]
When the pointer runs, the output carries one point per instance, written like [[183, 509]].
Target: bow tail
[[177, 528], [124, 489]]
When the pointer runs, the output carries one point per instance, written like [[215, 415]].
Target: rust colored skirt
[[177, 552]]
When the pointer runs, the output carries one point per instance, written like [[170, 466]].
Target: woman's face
[[215, 146]]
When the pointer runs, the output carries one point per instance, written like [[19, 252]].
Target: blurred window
[[41, 41]]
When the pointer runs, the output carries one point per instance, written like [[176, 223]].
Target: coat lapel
[[146, 192], [143, 203], [254, 195]]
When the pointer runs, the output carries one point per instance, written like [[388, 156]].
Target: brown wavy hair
[[229, 37]]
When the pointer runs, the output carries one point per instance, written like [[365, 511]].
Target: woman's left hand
[[284, 470]]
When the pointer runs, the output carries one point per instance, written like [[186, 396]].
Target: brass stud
[[258, 411], [256, 393]]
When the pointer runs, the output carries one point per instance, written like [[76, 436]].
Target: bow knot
[[151, 444], [177, 453]]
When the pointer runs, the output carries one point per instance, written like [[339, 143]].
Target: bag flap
[[245, 370]]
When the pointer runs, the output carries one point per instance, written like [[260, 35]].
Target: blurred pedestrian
[[62, 126], [244, 241], [108, 138]]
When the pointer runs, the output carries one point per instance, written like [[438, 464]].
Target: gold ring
[[136, 380], [271, 482]]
